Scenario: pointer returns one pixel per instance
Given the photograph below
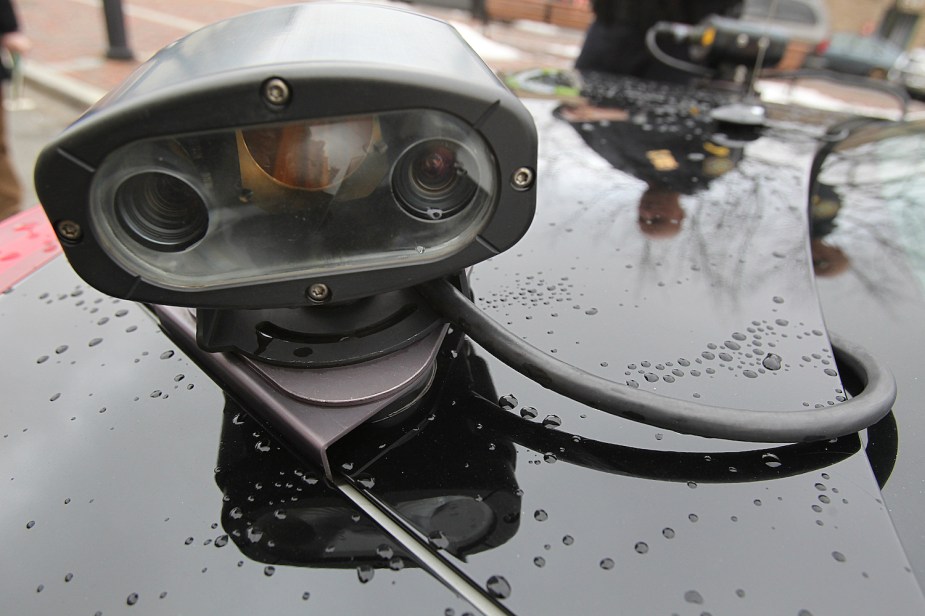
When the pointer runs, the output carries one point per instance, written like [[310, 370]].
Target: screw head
[[319, 292], [523, 178], [69, 230], [276, 91]]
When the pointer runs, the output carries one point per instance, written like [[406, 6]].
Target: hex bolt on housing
[[276, 91]]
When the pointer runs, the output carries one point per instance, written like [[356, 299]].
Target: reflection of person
[[15, 42], [662, 152], [615, 42], [824, 206]]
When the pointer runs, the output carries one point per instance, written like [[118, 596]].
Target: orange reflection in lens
[[311, 156]]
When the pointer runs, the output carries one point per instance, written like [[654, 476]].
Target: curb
[[64, 88]]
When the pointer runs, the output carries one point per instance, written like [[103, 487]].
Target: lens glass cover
[[309, 198]]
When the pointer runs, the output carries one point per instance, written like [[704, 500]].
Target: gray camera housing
[[334, 60]]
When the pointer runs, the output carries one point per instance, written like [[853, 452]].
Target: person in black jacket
[[14, 42], [615, 42]]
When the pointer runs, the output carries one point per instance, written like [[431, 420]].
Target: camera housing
[[293, 156]]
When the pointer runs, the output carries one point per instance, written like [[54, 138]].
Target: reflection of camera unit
[[300, 519]]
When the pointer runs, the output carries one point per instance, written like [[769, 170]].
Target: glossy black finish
[[702, 289], [868, 239], [122, 474], [718, 303]]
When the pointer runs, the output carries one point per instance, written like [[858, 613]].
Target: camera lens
[[435, 179], [161, 211]]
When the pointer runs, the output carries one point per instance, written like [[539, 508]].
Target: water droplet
[[365, 573], [733, 346], [668, 533], [591, 311], [68, 577], [528, 412], [132, 599], [439, 539], [396, 563], [692, 596], [188, 541], [61, 349], [166, 354], [771, 460], [550, 458], [156, 393], [691, 484], [641, 547], [607, 564], [385, 551], [40, 588], [757, 502], [693, 517], [269, 570], [540, 515], [750, 374], [651, 377], [498, 587], [777, 299], [632, 383], [740, 593], [839, 557], [539, 561], [568, 540], [508, 402], [552, 421], [367, 482], [771, 361], [94, 342], [42, 359], [221, 541], [306, 595], [830, 372]]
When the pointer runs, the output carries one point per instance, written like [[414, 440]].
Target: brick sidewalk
[[69, 38]]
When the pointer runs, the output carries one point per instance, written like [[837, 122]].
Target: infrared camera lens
[[434, 170], [161, 211], [435, 179]]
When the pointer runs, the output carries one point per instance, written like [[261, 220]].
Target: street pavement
[[70, 38]]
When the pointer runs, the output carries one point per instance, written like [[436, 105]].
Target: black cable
[[802, 425], [676, 63]]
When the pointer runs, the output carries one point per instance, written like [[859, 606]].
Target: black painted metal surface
[[695, 284], [130, 484], [868, 245], [717, 303]]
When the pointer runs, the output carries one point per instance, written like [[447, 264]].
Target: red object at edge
[[27, 242]]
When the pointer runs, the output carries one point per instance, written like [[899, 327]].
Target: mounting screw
[[69, 230], [523, 178], [276, 91], [318, 293]]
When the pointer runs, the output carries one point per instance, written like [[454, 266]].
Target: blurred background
[[83, 48]]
